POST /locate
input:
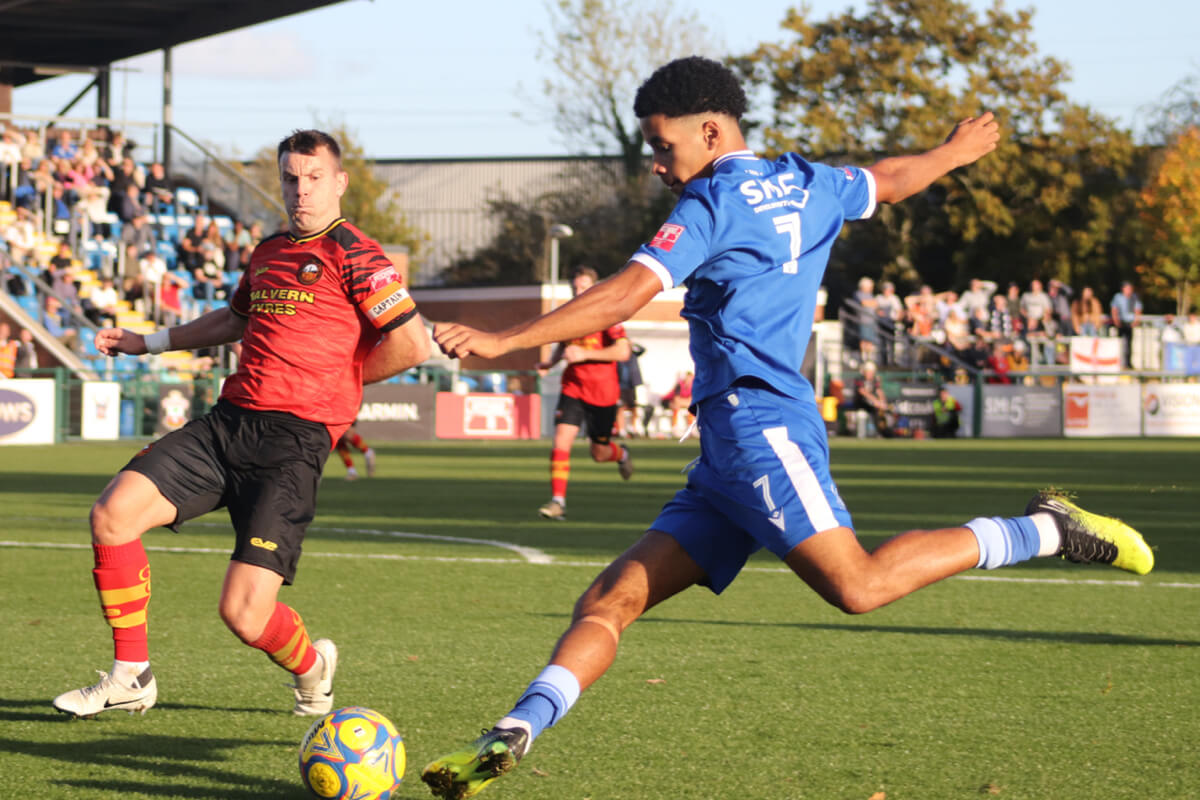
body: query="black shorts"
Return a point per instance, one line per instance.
(599, 419)
(264, 466)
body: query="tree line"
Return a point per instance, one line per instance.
(1069, 194)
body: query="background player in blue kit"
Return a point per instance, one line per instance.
(750, 239)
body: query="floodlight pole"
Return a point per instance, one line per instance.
(557, 231)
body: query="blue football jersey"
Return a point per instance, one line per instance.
(751, 244)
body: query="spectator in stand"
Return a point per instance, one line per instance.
(1191, 328)
(144, 287)
(1001, 322)
(868, 329)
(63, 147)
(21, 237)
(10, 162)
(922, 312)
(159, 190)
(89, 154)
(889, 309)
(31, 149)
(67, 290)
(131, 205)
(997, 362)
(190, 255)
(124, 174)
(1054, 335)
(238, 239)
(1033, 306)
(210, 278)
(44, 184)
(979, 325)
(870, 397)
(97, 192)
(100, 306)
(1087, 315)
(117, 148)
(25, 195)
(8, 352)
(1060, 301)
(170, 306)
(27, 356)
(956, 330)
(1126, 311)
(53, 321)
(978, 296)
(246, 246)
(140, 234)
(133, 285)
(1171, 332)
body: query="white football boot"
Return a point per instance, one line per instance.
(314, 693)
(132, 693)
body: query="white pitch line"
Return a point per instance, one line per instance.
(548, 560)
(531, 555)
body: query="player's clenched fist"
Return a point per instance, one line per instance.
(460, 341)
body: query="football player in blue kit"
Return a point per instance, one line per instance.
(750, 239)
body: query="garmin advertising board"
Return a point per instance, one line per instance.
(27, 411)
(1021, 411)
(397, 412)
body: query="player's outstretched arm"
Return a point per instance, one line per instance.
(613, 300)
(400, 349)
(903, 176)
(219, 326)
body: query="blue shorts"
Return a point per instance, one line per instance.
(762, 481)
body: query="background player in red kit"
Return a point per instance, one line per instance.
(319, 311)
(351, 438)
(591, 393)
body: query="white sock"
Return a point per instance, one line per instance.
(1051, 539)
(132, 668)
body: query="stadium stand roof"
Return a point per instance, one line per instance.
(43, 38)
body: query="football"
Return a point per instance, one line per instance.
(352, 752)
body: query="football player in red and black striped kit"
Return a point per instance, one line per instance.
(320, 311)
(591, 392)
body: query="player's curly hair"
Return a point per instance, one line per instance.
(691, 85)
(307, 142)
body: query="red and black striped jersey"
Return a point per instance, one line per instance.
(315, 307)
(594, 382)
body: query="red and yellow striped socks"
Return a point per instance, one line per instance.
(286, 641)
(122, 578)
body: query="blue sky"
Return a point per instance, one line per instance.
(450, 79)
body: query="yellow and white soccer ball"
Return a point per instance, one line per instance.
(352, 752)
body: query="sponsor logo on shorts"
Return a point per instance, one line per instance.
(309, 273)
(255, 541)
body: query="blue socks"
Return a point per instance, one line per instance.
(1005, 540)
(547, 699)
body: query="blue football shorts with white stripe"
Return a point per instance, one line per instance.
(762, 480)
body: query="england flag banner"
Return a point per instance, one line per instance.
(1095, 354)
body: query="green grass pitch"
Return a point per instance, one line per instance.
(445, 593)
